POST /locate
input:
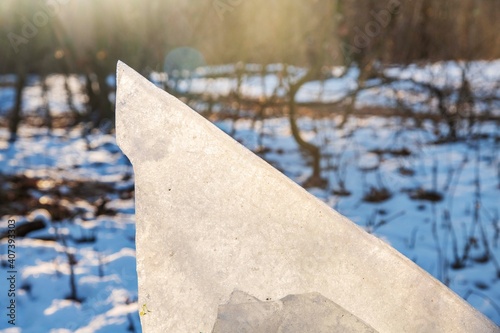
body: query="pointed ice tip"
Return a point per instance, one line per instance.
(120, 65)
(121, 68)
(146, 116)
(126, 86)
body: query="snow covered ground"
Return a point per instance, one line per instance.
(483, 77)
(368, 153)
(102, 245)
(437, 203)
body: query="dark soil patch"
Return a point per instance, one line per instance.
(315, 182)
(406, 171)
(341, 192)
(376, 195)
(427, 195)
(401, 152)
(20, 195)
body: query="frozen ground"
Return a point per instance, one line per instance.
(367, 155)
(100, 243)
(437, 203)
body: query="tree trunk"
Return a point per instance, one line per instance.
(93, 101)
(15, 117)
(313, 150)
(105, 107)
(46, 105)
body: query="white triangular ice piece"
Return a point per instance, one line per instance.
(212, 217)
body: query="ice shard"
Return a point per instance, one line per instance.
(212, 218)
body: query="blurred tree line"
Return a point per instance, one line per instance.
(87, 37)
